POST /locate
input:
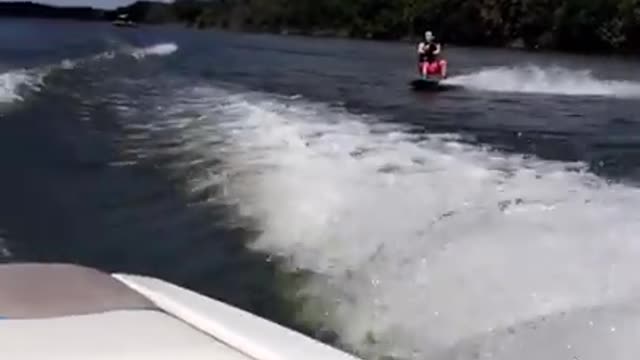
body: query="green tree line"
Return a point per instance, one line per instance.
(577, 25)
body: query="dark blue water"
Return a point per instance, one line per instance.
(302, 180)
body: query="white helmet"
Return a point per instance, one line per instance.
(428, 36)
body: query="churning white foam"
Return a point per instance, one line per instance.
(4, 247)
(162, 49)
(417, 244)
(554, 80)
(12, 83)
(157, 50)
(8, 86)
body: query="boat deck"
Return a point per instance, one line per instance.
(59, 311)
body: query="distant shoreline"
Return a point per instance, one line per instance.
(138, 11)
(240, 17)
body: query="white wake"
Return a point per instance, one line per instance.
(14, 83)
(5, 252)
(419, 245)
(555, 80)
(163, 49)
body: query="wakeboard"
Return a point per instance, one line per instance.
(425, 84)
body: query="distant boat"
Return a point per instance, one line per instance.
(124, 21)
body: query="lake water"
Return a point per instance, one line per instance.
(302, 179)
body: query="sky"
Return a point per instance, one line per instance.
(105, 4)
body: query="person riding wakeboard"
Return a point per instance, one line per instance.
(428, 57)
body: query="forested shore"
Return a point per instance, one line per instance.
(570, 25)
(574, 25)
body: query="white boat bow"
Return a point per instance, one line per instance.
(60, 311)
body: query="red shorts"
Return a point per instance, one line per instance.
(434, 68)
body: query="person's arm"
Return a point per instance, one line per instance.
(421, 48)
(437, 52)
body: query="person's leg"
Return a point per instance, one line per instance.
(425, 68)
(443, 68)
(434, 68)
